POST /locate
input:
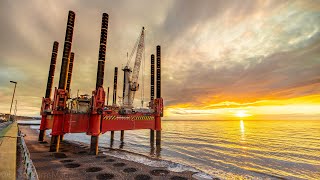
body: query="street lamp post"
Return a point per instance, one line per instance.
(14, 91)
(15, 109)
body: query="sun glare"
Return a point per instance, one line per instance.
(242, 113)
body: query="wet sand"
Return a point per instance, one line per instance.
(74, 162)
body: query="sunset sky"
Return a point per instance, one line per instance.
(221, 59)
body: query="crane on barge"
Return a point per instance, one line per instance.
(130, 82)
(91, 115)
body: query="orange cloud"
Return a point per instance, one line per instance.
(292, 108)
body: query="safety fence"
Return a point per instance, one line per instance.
(29, 168)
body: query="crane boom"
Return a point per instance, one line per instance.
(131, 84)
(134, 86)
(137, 63)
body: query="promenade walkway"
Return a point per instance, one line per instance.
(8, 149)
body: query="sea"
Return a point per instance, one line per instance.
(242, 149)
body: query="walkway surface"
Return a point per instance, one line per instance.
(8, 150)
(73, 162)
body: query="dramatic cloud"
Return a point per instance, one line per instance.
(239, 52)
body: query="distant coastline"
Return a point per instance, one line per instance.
(5, 117)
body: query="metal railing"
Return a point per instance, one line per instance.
(29, 168)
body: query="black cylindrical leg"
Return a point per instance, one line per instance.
(94, 145)
(108, 96)
(158, 150)
(112, 136)
(49, 88)
(66, 51)
(122, 135)
(158, 138)
(158, 77)
(102, 50)
(54, 143)
(71, 60)
(52, 69)
(115, 84)
(61, 137)
(152, 80)
(41, 135)
(151, 136)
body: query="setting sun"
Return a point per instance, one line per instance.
(242, 113)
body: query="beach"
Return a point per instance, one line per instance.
(74, 162)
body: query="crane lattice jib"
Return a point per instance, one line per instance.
(137, 63)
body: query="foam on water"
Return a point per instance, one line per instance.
(171, 166)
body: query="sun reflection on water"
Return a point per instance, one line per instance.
(241, 126)
(242, 132)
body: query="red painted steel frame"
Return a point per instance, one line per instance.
(93, 124)
(80, 122)
(46, 106)
(76, 123)
(48, 122)
(99, 121)
(115, 122)
(58, 112)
